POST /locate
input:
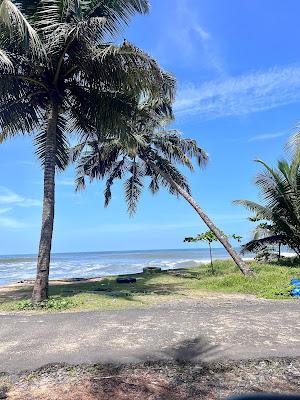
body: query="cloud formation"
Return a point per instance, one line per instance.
(8, 197)
(9, 222)
(66, 182)
(256, 91)
(266, 136)
(185, 39)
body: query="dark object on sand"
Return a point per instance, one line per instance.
(126, 280)
(151, 270)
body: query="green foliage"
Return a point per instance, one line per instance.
(210, 237)
(52, 304)
(279, 215)
(271, 281)
(143, 150)
(60, 75)
(265, 254)
(61, 53)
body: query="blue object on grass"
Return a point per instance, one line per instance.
(296, 292)
(295, 281)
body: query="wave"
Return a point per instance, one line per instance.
(86, 265)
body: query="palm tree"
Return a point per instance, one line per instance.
(59, 75)
(144, 150)
(293, 145)
(279, 216)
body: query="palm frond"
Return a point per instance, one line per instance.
(18, 117)
(261, 212)
(165, 171)
(117, 172)
(15, 22)
(178, 149)
(116, 12)
(48, 15)
(280, 189)
(133, 187)
(258, 244)
(6, 64)
(293, 148)
(128, 64)
(62, 157)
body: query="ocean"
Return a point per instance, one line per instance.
(14, 268)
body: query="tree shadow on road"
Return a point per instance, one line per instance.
(178, 372)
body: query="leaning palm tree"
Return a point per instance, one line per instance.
(144, 150)
(279, 216)
(59, 75)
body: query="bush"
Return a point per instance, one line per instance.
(54, 303)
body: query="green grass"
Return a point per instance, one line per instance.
(271, 281)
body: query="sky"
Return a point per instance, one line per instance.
(238, 74)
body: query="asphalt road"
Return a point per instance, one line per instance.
(207, 329)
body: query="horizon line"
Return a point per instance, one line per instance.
(110, 251)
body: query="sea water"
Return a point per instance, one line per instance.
(14, 268)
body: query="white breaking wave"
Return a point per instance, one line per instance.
(87, 265)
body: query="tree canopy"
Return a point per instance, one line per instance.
(279, 215)
(62, 78)
(60, 51)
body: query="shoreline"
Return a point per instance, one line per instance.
(66, 281)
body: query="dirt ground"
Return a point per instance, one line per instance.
(154, 381)
(16, 291)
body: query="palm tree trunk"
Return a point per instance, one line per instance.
(40, 290)
(222, 239)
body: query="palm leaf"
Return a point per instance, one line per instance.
(6, 64)
(133, 187)
(62, 157)
(116, 12)
(15, 22)
(258, 244)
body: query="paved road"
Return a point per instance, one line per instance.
(195, 329)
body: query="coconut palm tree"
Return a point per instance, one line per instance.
(145, 150)
(293, 145)
(279, 215)
(60, 75)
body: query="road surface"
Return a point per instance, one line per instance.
(201, 329)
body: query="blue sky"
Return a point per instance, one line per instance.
(238, 71)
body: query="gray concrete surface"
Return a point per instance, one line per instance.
(234, 328)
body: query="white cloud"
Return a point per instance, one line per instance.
(4, 210)
(28, 163)
(8, 197)
(9, 222)
(204, 35)
(65, 182)
(185, 38)
(266, 136)
(240, 95)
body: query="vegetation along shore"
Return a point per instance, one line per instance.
(271, 281)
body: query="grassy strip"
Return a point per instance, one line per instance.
(272, 281)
